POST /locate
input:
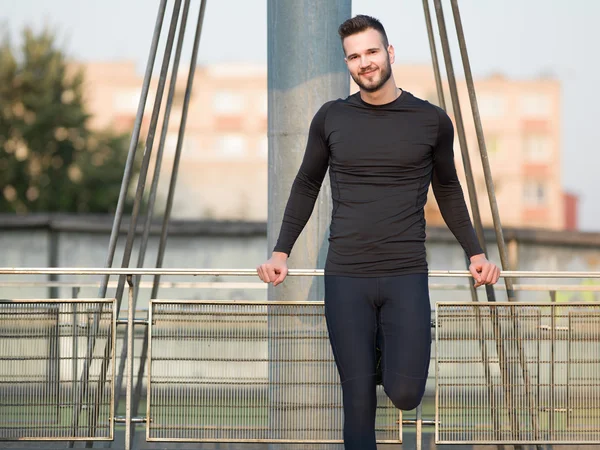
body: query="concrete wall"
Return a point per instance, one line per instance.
(82, 241)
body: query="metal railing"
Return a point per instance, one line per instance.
(247, 371)
(43, 350)
(259, 371)
(561, 344)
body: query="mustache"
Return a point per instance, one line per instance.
(368, 69)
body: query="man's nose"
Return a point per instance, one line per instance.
(364, 62)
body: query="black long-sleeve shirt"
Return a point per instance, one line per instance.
(381, 160)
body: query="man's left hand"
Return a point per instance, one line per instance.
(483, 271)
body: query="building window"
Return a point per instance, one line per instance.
(189, 147)
(171, 143)
(535, 193)
(228, 103)
(264, 104)
(231, 146)
(535, 105)
(263, 147)
(537, 148)
(127, 100)
(491, 106)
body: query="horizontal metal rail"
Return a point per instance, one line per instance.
(143, 285)
(252, 272)
(123, 419)
(135, 321)
(57, 300)
(259, 285)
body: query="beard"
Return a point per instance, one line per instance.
(372, 86)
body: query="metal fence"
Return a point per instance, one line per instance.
(259, 371)
(52, 379)
(239, 371)
(518, 373)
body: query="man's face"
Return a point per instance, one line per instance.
(369, 62)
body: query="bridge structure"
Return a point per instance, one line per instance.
(520, 373)
(261, 372)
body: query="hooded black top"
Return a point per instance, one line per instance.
(381, 160)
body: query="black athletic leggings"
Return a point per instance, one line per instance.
(393, 312)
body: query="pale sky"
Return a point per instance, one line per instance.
(519, 38)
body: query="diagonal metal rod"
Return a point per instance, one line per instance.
(460, 130)
(148, 151)
(163, 137)
(487, 171)
(140, 191)
(114, 234)
(177, 158)
(493, 204)
(473, 292)
(504, 368)
(154, 186)
(144, 352)
(121, 201)
(434, 57)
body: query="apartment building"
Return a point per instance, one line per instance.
(224, 167)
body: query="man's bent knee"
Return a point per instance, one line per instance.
(404, 392)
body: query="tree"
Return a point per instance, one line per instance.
(50, 160)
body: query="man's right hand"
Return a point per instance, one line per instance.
(275, 269)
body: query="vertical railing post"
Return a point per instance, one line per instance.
(568, 393)
(74, 365)
(552, 411)
(419, 432)
(130, 331)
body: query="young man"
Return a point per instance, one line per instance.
(383, 148)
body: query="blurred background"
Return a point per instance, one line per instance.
(71, 74)
(62, 131)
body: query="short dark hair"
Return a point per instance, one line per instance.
(360, 23)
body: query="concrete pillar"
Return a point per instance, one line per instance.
(305, 69)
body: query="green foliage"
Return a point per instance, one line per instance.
(50, 159)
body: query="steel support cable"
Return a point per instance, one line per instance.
(187, 97)
(114, 234)
(487, 172)
(504, 369)
(434, 57)
(177, 158)
(144, 350)
(473, 292)
(121, 202)
(140, 189)
(148, 151)
(153, 189)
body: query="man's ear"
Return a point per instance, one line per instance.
(392, 53)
